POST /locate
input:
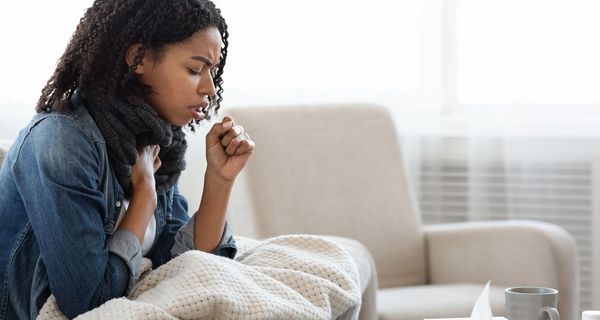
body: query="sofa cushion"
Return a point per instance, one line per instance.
(435, 301)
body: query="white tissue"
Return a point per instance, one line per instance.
(482, 309)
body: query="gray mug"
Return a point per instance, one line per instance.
(531, 303)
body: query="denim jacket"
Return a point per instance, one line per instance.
(59, 202)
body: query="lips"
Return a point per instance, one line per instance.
(197, 113)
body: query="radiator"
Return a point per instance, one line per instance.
(518, 179)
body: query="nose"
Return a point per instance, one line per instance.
(206, 85)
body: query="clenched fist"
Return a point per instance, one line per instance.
(228, 148)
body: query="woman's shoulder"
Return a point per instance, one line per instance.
(59, 134)
(72, 124)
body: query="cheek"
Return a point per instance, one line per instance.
(179, 85)
(172, 86)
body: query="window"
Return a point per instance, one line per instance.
(411, 55)
(280, 52)
(532, 52)
(296, 52)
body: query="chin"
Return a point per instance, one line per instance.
(178, 122)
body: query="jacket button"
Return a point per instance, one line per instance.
(118, 204)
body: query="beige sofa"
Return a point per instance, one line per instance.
(338, 170)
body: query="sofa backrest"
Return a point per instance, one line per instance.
(335, 170)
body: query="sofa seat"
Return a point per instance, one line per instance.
(435, 301)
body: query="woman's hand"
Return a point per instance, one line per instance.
(228, 148)
(143, 199)
(142, 175)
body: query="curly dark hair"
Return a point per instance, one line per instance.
(95, 56)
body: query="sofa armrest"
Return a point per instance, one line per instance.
(509, 253)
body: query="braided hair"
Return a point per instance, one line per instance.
(95, 56)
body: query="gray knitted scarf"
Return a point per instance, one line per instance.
(130, 123)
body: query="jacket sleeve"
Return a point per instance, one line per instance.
(178, 235)
(57, 172)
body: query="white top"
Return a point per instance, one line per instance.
(150, 230)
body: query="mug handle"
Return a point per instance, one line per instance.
(551, 312)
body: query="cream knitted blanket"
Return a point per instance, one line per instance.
(286, 277)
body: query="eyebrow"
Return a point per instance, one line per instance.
(203, 59)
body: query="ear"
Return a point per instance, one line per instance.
(132, 52)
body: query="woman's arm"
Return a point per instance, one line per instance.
(228, 148)
(210, 217)
(178, 235)
(57, 173)
(207, 230)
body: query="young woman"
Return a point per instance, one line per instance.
(89, 187)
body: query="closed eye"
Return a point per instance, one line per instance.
(193, 72)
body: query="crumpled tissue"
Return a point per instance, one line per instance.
(482, 309)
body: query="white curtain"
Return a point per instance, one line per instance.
(518, 133)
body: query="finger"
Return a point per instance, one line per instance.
(218, 130)
(246, 146)
(231, 133)
(235, 143)
(140, 151)
(155, 151)
(143, 153)
(157, 164)
(227, 118)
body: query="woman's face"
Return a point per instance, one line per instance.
(181, 78)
